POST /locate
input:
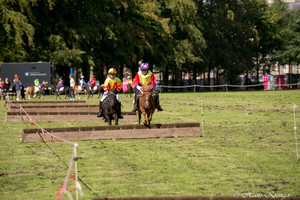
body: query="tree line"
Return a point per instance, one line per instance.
(175, 37)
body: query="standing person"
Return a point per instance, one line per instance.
(37, 83)
(145, 77)
(72, 84)
(15, 78)
(1, 87)
(60, 84)
(6, 86)
(93, 82)
(111, 82)
(18, 86)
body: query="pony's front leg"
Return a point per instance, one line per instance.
(108, 119)
(139, 116)
(116, 119)
(149, 117)
(145, 118)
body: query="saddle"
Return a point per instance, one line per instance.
(61, 89)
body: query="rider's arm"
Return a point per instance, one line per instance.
(153, 81)
(105, 85)
(119, 84)
(136, 80)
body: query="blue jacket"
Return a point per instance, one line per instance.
(18, 85)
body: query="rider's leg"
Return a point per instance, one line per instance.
(156, 100)
(135, 101)
(119, 109)
(100, 113)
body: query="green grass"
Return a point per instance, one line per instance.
(241, 151)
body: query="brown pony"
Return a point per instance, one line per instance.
(146, 104)
(32, 91)
(129, 89)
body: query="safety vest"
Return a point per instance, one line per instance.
(36, 83)
(145, 79)
(110, 83)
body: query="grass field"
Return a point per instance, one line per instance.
(241, 152)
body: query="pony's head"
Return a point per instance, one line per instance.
(146, 96)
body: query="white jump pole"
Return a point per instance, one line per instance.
(202, 120)
(295, 128)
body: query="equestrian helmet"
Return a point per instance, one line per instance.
(93, 76)
(144, 66)
(112, 71)
(82, 76)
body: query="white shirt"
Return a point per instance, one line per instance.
(72, 82)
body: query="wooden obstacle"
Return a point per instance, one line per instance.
(46, 103)
(76, 115)
(114, 132)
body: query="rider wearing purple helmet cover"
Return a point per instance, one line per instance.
(145, 77)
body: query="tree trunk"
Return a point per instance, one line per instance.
(121, 72)
(166, 76)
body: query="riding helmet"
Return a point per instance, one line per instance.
(144, 66)
(112, 71)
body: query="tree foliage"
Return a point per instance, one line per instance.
(174, 36)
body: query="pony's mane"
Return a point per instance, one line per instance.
(146, 88)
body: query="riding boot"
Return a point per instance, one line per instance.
(100, 114)
(119, 111)
(135, 106)
(157, 105)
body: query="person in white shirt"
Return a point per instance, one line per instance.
(72, 84)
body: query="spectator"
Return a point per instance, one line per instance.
(72, 84)
(6, 86)
(18, 85)
(15, 78)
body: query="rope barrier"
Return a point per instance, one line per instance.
(208, 86)
(63, 189)
(241, 108)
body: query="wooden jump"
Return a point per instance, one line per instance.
(114, 132)
(64, 116)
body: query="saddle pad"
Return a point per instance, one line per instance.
(61, 89)
(79, 87)
(36, 89)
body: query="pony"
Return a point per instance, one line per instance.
(111, 107)
(129, 90)
(33, 91)
(97, 89)
(62, 90)
(79, 89)
(146, 104)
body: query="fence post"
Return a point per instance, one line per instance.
(226, 88)
(202, 120)
(194, 88)
(295, 128)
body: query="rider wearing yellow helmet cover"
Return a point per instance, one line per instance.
(111, 82)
